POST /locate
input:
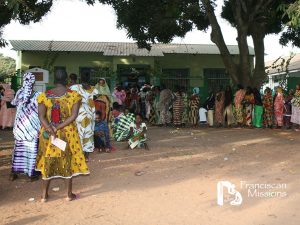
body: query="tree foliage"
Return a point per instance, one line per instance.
(24, 11)
(150, 21)
(7, 66)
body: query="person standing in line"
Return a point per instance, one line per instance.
(219, 107)
(194, 107)
(8, 111)
(238, 106)
(58, 109)
(210, 106)
(278, 107)
(85, 120)
(178, 107)
(163, 106)
(258, 109)
(287, 109)
(268, 108)
(185, 114)
(248, 104)
(228, 114)
(120, 95)
(26, 130)
(104, 99)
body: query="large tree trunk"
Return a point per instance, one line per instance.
(217, 38)
(259, 74)
(239, 72)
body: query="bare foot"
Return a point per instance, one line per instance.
(71, 197)
(44, 198)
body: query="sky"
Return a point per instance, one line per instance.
(74, 20)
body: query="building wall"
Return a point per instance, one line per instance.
(74, 60)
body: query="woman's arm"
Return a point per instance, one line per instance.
(42, 117)
(74, 114)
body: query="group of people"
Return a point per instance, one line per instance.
(56, 130)
(250, 108)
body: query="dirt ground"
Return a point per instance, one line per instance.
(173, 183)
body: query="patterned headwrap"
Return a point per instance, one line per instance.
(26, 90)
(196, 90)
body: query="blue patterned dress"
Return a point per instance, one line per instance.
(26, 133)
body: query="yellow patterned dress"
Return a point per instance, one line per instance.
(86, 117)
(51, 161)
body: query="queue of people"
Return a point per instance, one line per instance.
(56, 131)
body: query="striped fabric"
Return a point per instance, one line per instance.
(24, 157)
(123, 127)
(26, 130)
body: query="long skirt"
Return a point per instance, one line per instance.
(24, 157)
(210, 117)
(228, 115)
(177, 115)
(239, 114)
(258, 112)
(249, 109)
(165, 117)
(194, 115)
(295, 115)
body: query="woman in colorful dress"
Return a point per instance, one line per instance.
(135, 100)
(58, 109)
(104, 99)
(278, 107)
(287, 109)
(238, 106)
(295, 118)
(120, 95)
(258, 109)
(137, 133)
(163, 107)
(86, 116)
(228, 114)
(185, 114)
(178, 107)
(26, 130)
(248, 104)
(209, 105)
(268, 108)
(219, 107)
(155, 116)
(7, 111)
(194, 106)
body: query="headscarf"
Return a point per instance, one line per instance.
(196, 91)
(25, 92)
(28, 82)
(104, 90)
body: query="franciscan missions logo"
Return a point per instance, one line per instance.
(237, 197)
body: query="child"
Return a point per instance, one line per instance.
(101, 134)
(203, 115)
(137, 133)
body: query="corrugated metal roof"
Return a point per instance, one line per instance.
(120, 48)
(293, 65)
